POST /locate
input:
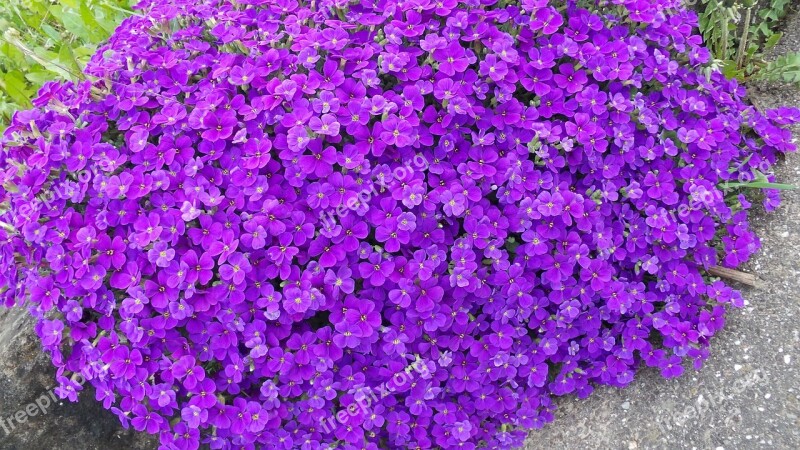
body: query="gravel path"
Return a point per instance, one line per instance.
(748, 394)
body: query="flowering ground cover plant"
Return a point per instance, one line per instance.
(217, 234)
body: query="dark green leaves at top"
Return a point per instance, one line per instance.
(42, 40)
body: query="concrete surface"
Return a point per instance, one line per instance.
(32, 417)
(747, 396)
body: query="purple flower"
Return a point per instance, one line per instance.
(363, 318)
(296, 300)
(219, 125)
(235, 269)
(396, 132)
(453, 204)
(327, 125)
(465, 209)
(50, 332)
(160, 254)
(340, 281)
(376, 269)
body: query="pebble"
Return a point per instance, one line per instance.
(737, 367)
(787, 359)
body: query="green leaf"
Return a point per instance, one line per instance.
(50, 62)
(39, 77)
(785, 68)
(74, 4)
(72, 22)
(730, 70)
(741, 164)
(10, 55)
(759, 185)
(772, 41)
(68, 62)
(51, 32)
(93, 27)
(13, 83)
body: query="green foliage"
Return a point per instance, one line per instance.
(740, 32)
(785, 68)
(717, 21)
(41, 40)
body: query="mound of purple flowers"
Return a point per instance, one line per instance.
(379, 224)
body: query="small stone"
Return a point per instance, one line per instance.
(737, 367)
(787, 359)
